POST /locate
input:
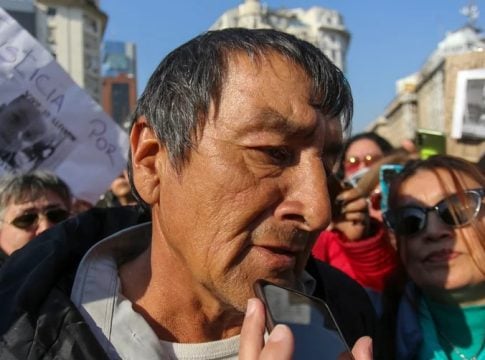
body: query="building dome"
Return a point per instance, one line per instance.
(465, 39)
(322, 27)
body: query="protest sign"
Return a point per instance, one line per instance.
(48, 122)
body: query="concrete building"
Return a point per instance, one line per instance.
(26, 14)
(426, 99)
(75, 30)
(322, 27)
(119, 80)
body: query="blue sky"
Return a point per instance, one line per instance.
(390, 38)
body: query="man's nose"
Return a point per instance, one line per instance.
(43, 224)
(307, 201)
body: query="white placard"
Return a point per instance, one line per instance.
(48, 122)
(469, 109)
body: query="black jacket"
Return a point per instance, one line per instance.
(39, 321)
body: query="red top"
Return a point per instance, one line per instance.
(369, 261)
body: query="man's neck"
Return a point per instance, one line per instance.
(176, 308)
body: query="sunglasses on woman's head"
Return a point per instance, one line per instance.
(455, 210)
(29, 220)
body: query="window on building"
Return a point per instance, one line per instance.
(51, 11)
(120, 100)
(51, 34)
(91, 24)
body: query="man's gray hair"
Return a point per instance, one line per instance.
(19, 188)
(177, 97)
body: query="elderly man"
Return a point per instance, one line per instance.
(30, 204)
(230, 146)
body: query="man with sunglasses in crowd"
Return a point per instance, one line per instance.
(30, 204)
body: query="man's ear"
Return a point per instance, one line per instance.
(146, 153)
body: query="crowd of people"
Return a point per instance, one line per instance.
(240, 169)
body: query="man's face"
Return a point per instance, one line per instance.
(12, 237)
(253, 196)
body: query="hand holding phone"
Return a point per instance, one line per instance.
(316, 334)
(280, 343)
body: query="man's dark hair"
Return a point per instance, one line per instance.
(177, 97)
(30, 186)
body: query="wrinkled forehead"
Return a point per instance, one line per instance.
(279, 87)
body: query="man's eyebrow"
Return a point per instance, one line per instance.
(272, 120)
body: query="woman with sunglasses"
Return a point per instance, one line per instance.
(30, 204)
(436, 212)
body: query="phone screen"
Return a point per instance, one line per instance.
(316, 333)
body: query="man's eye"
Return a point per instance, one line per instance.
(278, 155)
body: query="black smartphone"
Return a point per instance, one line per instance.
(316, 333)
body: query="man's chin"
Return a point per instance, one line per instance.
(289, 280)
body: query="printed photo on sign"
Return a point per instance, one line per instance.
(28, 139)
(48, 122)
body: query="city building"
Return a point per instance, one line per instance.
(427, 98)
(26, 14)
(322, 27)
(75, 29)
(119, 80)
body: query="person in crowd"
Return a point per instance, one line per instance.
(119, 193)
(362, 150)
(230, 143)
(436, 213)
(357, 241)
(30, 203)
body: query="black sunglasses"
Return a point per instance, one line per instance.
(455, 210)
(31, 219)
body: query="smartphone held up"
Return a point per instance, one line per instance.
(316, 333)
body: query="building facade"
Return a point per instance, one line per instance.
(322, 27)
(26, 14)
(119, 80)
(426, 99)
(75, 30)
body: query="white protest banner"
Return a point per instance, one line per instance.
(48, 122)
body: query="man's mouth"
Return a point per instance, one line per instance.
(277, 256)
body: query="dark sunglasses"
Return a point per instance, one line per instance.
(455, 210)
(29, 220)
(352, 163)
